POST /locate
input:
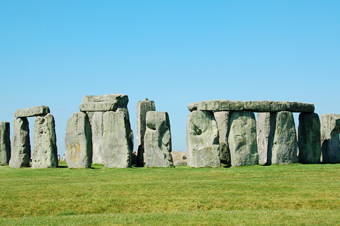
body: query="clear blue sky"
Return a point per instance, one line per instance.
(173, 52)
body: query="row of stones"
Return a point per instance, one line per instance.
(101, 133)
(235, 138)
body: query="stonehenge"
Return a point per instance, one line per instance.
(269, 139)
(44, 154)
(219, 133)
(5, 143)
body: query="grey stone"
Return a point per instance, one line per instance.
(78, 141)
(265, 127)
(142, 108)
(33, 111)
(5, 143)
(45, 154)
(254, 106)
(309, 138)
(97, 128)
(192, 106)
(203, 140)
(110, 102)
(157, 140)
(330, 142)
(21, 148)
(242, 139)
(222, 119)
(285, 146)
(179, 158)
(118, 139)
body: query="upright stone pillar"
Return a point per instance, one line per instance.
(21, 148)
(330, 143)
(309, 138)
(265, 136)
(285, 146)
(157, 140)
(45, 153)
(203, 140)
(117, 139)
(5, 143)
(97, 129)
(78, 141)
(242, 139)
(222, 119)
(143, 107)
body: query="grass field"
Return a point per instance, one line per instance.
(287, 194)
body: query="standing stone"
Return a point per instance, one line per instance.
(21, 148)
(179, 158)
(117, 139)
(330, 132)
(265, 127)
(203, 140)
(157, 140)
(222, 119)
(5, 143)
(285, 146)
(142, 108)
(45, 154)
(309, 138)
(78, 141)
(97, 129)
(242, 139)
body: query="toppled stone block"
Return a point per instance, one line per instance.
(118, 139)
(110, 102)
(179, 158)
(203, 140)
(330, 143)
(309, 138)
(253, 106)
(143, 107)
(157, 140)
(21, 148)
(222, 119)
(5, 143)
(45, 153)
(33, 111)
(265, 136)
(78, 141)
(242, 139)
(285, 146)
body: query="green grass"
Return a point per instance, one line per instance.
(284, 195)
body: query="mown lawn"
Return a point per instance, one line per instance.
(287, 194)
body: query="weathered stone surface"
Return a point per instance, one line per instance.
(108, 102)
(242, 139)
(309, 138)
(21, 148)
(179, 158)
(203, 140)
(157, 140)
(142, 108)
(45, 154)
(254, 106)
(78, 141)
(285, 146)
(5, 143)
(97, 129)
(192, 106)
(265, 127)
(222, 119)
(33, 111)
(330, 143)
(118, 139)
